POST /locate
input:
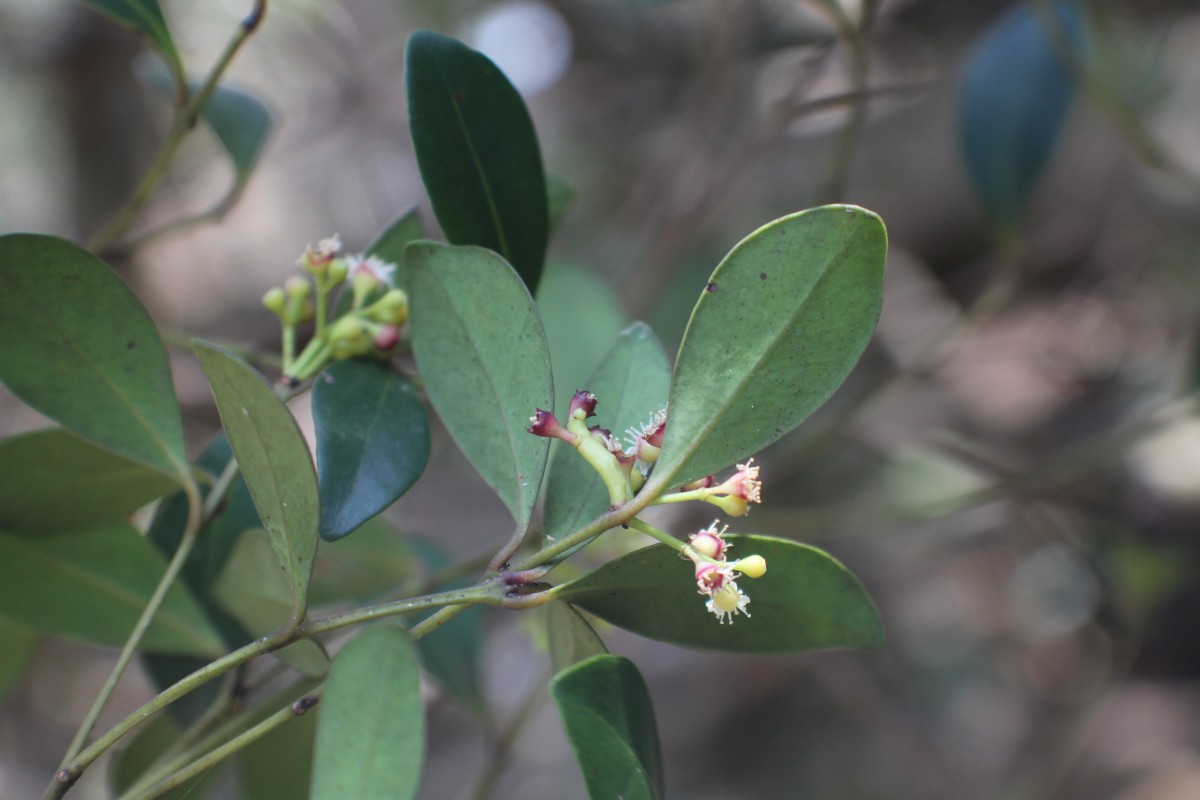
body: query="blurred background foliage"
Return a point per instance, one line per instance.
(1013, 470)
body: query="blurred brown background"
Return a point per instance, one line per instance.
(1013, 471)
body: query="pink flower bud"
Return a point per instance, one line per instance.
(583, 402)
(543, 423)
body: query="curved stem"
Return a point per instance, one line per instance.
(184, 122)
(656, 534)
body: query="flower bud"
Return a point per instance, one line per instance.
(583, 405)
(297, 288)
(751, 566)
(386, 338)
(543, 423)
(275, 300)
(709, 542)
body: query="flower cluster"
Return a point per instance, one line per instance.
(715, 576)
(370, 322)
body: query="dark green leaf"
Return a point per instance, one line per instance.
(782, 321)
(572, 638)
(79, 348)
(478, 152)
(17, 645)
(607, 714)
(372, 442)
(371, 729)
(806, 601)
(274, 460)
(254, 591)
(92, 585)
(582, 317)
(630, 385)
(145, 16)
(1014, 100)
(481, 351)
(55, 481)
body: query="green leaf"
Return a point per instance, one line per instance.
(279, 765)
(146, 17)
(357, 570)
(17, 646)
(372, 442)
(141, 753)
(559, 195)
(782, 321)
(452, 653)
(630, 385)
(241, 123)
(79, 348)
(255, 592)
(478, 152)
(582, 317)
(1015, 96)
(274, 461)
(371, 730)
(571, 637)
(609, 719)
(481, 351)
(92, 585)
(391, 242)
(55, 481)
(806, 601)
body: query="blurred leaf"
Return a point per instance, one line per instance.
(781, 323)
(255, 592)
(483, 357)
(559, 195)
(241, 123)
(630, 385)
(79, 348)
(371, 730)
(921, 483)
(372, 442)
(144, 748)
(806, 601)
(609, 719)
(17, 646)
(1014, 100)
(360, 569)
(54, 481)
(279, 765)
(582, 317)
(391, 242)
(452, 653)
(146, 17)
(274, 460)
(572, 638)
(478, 152)
(92, 585)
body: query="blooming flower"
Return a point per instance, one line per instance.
(738, 491)
(727, 602)
(371, 270)
(715, 576)
(317, 259)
